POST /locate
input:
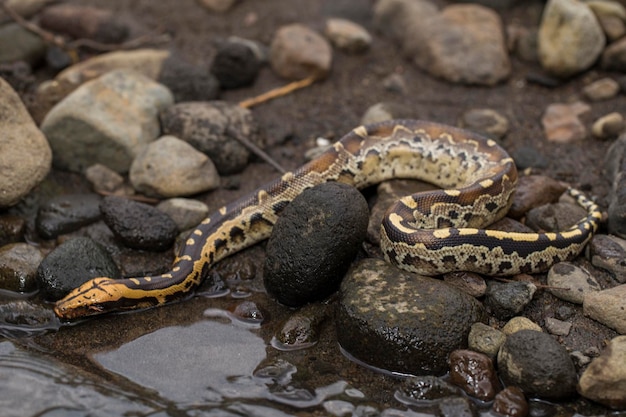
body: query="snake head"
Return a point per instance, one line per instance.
(95, 296)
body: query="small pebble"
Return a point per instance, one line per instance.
(18, 267)
(604, 380)
(571, 282)
(218, 6)
(485, 339)
(561, 123)
(297, 52)
(488, 122)
(564, 312)
(538, 364)
(11, 229)
(510, 402)
(505, 300)
(457, 406)
(520, 323)
(557, 327)
(138, 225)
(395, 83)
(474, 373)
(534, 191)
(608, 126)
(104, 179)
(602, 89)
(347, 36)
(607, 307)
(236, 64)
(580, 360)
(185, 212)
(529, 157)
(248, 311)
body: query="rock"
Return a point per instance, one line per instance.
(301, 330)
(520, 323)
(395, 83)
(614, 56)
(604, 380)
(185, 212)
(505, 300)
(468, 282)
(420, 389)
(529, 157)
(506, 224)
(611, 16)
(25, 156)
(104, 179)
(607, 307)
(608, 126)
(474, 373)
(536, 363)
(395, 18)
(609, 253)
(570, 282)
(71, 264)
(155, 173)
(20, 44)
(557, 327)
(510, 402)
(297, 52)
(122, 119)
(187, 82)
(84, 22)
(523, 42)
(615, 169)
(11, 229)
(570, 38)
(380, 112)
(487, 122)
(347, 36)
(561, 123)
(554, 217)
(26, 8)
(313, 243)
(248, 312)
(138, 225)
(485, 339)
(580, 360)
(219, 6)
(402, 322)
(464, 43)
(18, 267)
(22, 314)
(457, 406)
(66, 213)
(236, 63)
(534, 191)
(602, 89)
(212, 128)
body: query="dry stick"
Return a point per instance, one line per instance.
(277, 92)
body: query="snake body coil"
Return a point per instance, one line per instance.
(429, 233)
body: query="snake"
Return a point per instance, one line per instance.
(429, 233)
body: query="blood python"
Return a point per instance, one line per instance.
(428, 233)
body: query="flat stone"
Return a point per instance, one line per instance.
(155, 173)
(602, 89)
(185, 212)
(570, 282)
(123, 105)
(298, 52)
(557, 327)
(561, 123)
(570, 38)
(380, 112)
(25, 155)
(488, 122)
(615, 170)
(607, 307)
(347, 36)
(604, 380)
(609, 253)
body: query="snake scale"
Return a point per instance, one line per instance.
(429, 233)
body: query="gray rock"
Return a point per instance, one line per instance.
(485, 339)
(608, 126)
(554, 217)
(614, 56)
(571, 283)
(186, 81)
(607, 307)
(24, 314)
(468, 282)
(122, 118)
(402, 322)
(71, 264)
(313, 243)
(18, 267)
(138, 225)
(557, 327)
(570, 38)
(84, 22)
(104, 179)
(155, 173)
(536, 363)
(347, 36)
(394, 18)
(534, 191)
(19, 44)
(602, 89)
(66, 213)
(25, 155)
(615, 169)
(211, 128)
(297, 52)
(236, 63)
(457, 406)
(185, 212)
(609, 253)
(529, 157)
(506, 299)
(604, 380)
(487, 122)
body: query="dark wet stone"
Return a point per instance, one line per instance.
(457, 407)
(235, 64)
(138, 225)
(66, 213)
(11, 229)
(609, 253)
(248, 311)
(485, 339)
(18, 267)
(400, 321)
(188, 82)
(417, 389)
(534, 191)
(510, 402)
(301, 330)
(211, 128)
(71, 264)
(538, 364)
(529, 157)
(84, 22)
(313, 243)
(554, 217)
(474, 373)
(57, 58)
(25, 314)
(506, 299)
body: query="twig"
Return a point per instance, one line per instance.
(134, 197)
(277, 92)
(255, 149)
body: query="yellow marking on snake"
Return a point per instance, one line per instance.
(465, 164)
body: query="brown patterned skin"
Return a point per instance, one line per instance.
(429, 233)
